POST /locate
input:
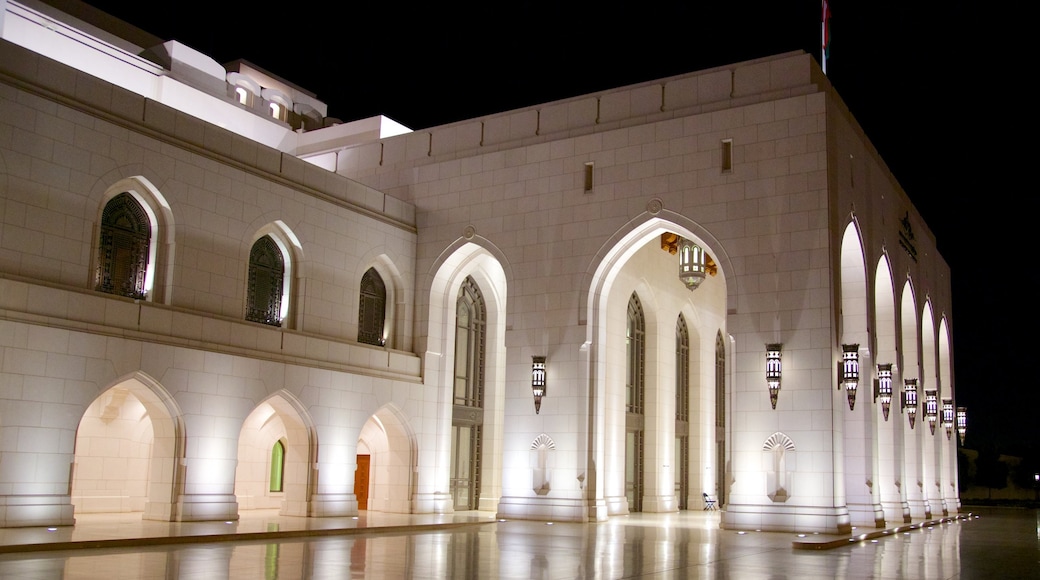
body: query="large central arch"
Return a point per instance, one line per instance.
(633, 262)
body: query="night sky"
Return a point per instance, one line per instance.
(939, 88)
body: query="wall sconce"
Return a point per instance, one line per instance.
(910, 399)
(962, 423)
(848, 372)
(691, 264)
(773, 371)
(538, 381)
(947, 417)
(884, 388)
(931, 409)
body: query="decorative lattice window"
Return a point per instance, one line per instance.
(265, 284)
(682, 370)
(372, 309)
(470, 319)
(123, 248)
(636, 336)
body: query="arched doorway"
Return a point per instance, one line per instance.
(276, 449)
(128, 444)
(388, 444)
(670, 370)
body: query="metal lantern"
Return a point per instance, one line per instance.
(773, 371)
(850, 372)
(962, 423)
(538, 381)
(910, 399)
(947, 417)
(931, 409)
(884, 389)
(691, 264)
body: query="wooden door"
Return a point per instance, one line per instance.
(361, 481)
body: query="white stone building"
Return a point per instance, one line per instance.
(214, 299)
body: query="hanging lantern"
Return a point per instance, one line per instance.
(538, 381)
(962, 423)
(931, 409)
(773, 371)
(947, 417)
(849, 374)
(884, 388)
(910, 399)
(691, 264)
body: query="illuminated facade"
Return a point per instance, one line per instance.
(213, 299)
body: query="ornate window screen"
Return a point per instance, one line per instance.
(123, 248)
(372, 309)
(266, 276)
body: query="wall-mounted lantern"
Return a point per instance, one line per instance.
(538, 381)
(691, 264)
(947, 417)
(910, 399)
(883, 392)
(848, 372)
(773, 371)
(931, 409)
(962, 423)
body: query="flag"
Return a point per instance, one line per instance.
(825, 22)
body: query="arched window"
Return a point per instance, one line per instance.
(265, 284)
(277, 466)
(470, 319)
(720, 419)
(467, 414)
(682, 412)
(123, 248)
(372, 309)
(636, 356)
(635, 387)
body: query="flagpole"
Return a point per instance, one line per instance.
(824, 35)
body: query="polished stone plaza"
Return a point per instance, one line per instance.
(988, 543)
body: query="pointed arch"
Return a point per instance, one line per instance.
(278, 419)
(372, 309)
(947, 444)
(471, 266)
(637, 263)
(395, 333)
(682, 412)
(910, 341)
(134, 241)
(635, 398)
(931, 391)
(390, 442)
(909, 337)
(271, 266)
(617, 250)
(887, 416)
(884, 312)
(853, 288)
(129, 451)
(720, 419)
(929, 351)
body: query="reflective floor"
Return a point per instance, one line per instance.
(1002, 543)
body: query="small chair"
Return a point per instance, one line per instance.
(709, 503)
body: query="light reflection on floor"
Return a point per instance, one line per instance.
(1001, 543)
